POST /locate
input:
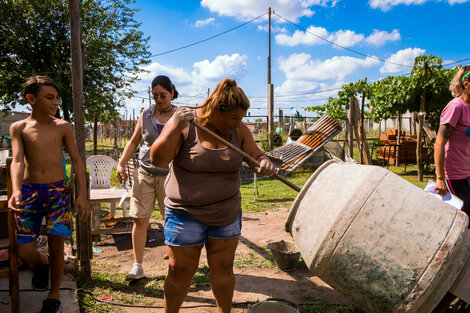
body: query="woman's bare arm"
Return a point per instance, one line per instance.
(443, 135)
(168, 144)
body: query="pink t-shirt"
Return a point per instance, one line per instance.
(457, 160)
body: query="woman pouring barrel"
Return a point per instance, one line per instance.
(203, 201)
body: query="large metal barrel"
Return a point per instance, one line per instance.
(382, 242)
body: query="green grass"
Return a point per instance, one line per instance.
(253, 261)
(201, 277)
(273, 194)
(106, 280)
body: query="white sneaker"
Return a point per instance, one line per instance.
(136, 272)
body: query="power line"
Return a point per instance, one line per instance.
(456, 62)
(209, 38)
(298, 94)
(343, 47)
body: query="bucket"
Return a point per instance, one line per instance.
(285, 254)
(273, 305)
(382, 242)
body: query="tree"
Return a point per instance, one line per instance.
(34, 39)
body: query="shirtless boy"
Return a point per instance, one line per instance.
(39, 188)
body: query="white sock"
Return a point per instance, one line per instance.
(138, 265)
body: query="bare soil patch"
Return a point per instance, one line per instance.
(256, 277)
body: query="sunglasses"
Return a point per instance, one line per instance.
(161, 96)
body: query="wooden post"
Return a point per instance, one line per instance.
(84, 230)
(270, 89)
(397, 152)
(12, 250)
(350, 132)
(380, 128)
(361, 139)
(95, 134)
(346, 137)
(362, 136)
(413, 123)
(422, 103)
(410, 120)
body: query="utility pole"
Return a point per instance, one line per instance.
(84, 227)
(150, 97)
(208, 92)
(421, 116)
(270, 92)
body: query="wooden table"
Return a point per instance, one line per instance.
(111, 196)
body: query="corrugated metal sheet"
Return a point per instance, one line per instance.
(290, 156)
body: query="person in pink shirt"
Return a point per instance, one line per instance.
(452, 151)
(452, 147)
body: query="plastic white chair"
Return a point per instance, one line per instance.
(100, 167)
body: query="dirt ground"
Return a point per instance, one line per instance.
(255, 281)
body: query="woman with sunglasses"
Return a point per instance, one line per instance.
(148, 179)
(203, 201)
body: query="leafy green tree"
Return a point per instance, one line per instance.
(390, 96)
(34, 39)
(338, 107)
(435, 84)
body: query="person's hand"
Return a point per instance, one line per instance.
(14, 202)
(182, 117)
(266, 168)
(83, 206)
(121, 173)
(441, 188)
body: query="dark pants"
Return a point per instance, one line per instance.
(461, 188)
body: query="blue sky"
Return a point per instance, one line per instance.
(306, 70)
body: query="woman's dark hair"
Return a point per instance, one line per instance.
(165, 82)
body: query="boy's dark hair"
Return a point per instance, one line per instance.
(165, 82)
(34, 84)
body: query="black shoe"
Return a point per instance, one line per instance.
(40, 281)
(50, 306)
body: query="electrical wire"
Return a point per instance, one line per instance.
(340, 46)
(234, 304)
(209, 38)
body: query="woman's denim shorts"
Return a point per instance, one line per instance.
(182, 230)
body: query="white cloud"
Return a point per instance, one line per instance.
(319, 91)
(404, 57)
(204, 74)
(223, 66)
(246, 9)
(345, 38)
(305, 38)
(274, 29)
(378, 38)
(304, 74)
(203, 23)
(386, 5)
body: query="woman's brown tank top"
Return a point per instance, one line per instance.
(205, 182)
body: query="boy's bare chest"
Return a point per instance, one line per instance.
(42, 137)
